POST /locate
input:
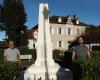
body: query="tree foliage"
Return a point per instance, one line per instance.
(14, 18)
(92, 34)
(2, 27)
(1, 10)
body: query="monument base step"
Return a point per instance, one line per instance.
(52, 73)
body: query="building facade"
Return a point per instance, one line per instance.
(63, 31)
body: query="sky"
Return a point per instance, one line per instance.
(88, 11)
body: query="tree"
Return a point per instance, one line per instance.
(1, 19)
(92, 34)
(14, 17)
(1, 10)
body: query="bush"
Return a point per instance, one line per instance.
(1, 54)
(58, 54)
(88, 69)
(96, 48)
(28, 51)
(8, 71)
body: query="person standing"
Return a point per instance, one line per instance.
(80, 51)
(12, 54)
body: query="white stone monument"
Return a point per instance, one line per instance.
(45, 68)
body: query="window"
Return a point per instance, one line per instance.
(51, 30)
(35, 34)
(82, 31)
(59, 44)
(59, 30)
(78, 32)
(33, 45)
(77, 21)
(59, 19)
(69, 42)
(69, 31)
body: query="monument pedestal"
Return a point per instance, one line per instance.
(54, 73)
(45, 68)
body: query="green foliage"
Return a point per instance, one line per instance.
(28, 51)
(14, 13)
(90, 68)
(57, 54)
(1, 10)
(8, 71)
(24, 40)
(92, 34)
(2, 27)
(14, 18)
(1, 54)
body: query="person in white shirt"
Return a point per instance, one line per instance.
(12, 53)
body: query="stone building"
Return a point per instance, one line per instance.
(63, 29)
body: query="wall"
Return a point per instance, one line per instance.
(64, 37)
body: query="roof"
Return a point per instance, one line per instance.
(83, 24)
(64, 19)
(54, 19)
(35, 27)
(30, 33)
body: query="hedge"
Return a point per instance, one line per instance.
(8, 71)
(56, 53)
(88, 69)
(1, 54)
(28, 51)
